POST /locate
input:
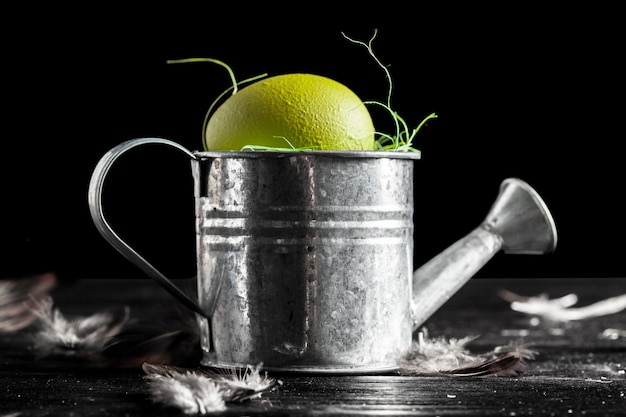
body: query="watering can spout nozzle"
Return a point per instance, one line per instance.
(519, 222)
(522, 219)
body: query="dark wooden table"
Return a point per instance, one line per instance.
(578, 369)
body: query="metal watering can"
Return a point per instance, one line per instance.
(305, 259)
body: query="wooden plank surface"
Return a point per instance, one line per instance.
(578, 369)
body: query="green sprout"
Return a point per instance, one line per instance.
(402, 140)
(276, 148)
(232, 89)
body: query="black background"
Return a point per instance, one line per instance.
(524, 92)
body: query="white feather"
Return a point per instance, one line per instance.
(81, 337)
(431, 355)
(16, 313)
(561, 309)
(194, 390)
(441, 356)
(190, 392)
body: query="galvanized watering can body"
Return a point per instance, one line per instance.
(305, 259)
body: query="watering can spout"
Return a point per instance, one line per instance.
(518, 222)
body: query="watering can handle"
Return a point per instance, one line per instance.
(95, 207)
